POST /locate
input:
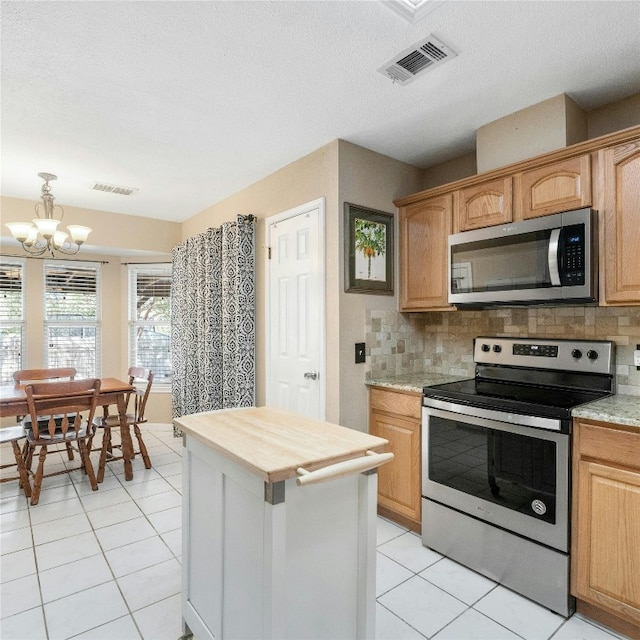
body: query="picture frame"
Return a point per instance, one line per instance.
(368, 253)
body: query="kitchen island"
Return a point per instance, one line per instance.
(279, 526)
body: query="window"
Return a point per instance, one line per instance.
(72, 316)
(150, 319)
(11, 318)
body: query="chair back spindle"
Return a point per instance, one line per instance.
(55, 407)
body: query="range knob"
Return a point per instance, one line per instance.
(592, 355)
(497, 348)
(577, 354)
(485, 348)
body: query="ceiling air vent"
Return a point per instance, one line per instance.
(112, 188)
(416, 60)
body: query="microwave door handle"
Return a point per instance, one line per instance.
(554, 248)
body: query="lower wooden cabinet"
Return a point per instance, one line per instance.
(606, 524)
(396, 416)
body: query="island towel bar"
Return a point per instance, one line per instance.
(356, 465)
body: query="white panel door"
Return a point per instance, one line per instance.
(296, 324)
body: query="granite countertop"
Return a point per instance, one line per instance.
(413, 382)
(618, 409)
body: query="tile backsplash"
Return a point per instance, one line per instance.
(441, 342)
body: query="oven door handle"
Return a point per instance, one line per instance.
(489, 419)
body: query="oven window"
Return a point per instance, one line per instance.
(515, 471)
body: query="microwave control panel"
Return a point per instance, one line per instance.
(572, 271)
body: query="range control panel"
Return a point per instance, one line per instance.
(593, 356)
(544, 350)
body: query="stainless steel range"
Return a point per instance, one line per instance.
(496, 455)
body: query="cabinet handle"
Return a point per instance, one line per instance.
(370, 460)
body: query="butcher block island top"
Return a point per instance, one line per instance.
(274, 444)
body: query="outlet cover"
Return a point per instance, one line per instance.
(360, 357)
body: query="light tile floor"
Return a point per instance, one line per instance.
(106, 565)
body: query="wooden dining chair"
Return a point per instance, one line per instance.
(56, 410)
(14, 435)
(141, 379)
(40, 375)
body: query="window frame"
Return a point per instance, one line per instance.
(162, 269)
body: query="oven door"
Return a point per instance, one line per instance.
(513, 476)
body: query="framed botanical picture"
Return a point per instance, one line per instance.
(368, 253)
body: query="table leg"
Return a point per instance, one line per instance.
(125, 437)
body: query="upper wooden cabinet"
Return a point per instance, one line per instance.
(423, 230)
(557, 187)
(484, 205)
(620, 202)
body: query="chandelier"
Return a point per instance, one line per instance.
(42, 235)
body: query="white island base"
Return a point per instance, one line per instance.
(275, 560)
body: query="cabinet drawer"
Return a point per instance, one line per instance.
(609, 443)
(401, 403)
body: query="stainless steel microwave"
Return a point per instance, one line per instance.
(546, 260)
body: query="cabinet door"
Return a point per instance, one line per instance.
(399, 481)
(608, 558)
(558, 187)
(424, 228)
(484, 205)
(621, 210)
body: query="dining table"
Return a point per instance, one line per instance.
(13, 402)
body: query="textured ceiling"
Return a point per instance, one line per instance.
(190, 102)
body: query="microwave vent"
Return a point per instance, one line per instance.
(417, 60)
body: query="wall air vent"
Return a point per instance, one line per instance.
(416, 60)
(112, 188)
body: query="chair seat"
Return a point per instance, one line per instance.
(58, 436)
(114, 421)
(44, 420)
(7, 434)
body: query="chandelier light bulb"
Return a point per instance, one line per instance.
(79, 234)
(46, 226)
(20, 230)
(59, 238)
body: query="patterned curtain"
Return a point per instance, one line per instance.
(213, 319)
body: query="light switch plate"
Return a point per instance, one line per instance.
(636, 357)
(360, 355)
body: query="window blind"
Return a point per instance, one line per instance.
(72, 316)
(11, 318)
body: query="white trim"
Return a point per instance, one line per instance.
(285, 215)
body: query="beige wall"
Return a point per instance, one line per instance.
(367, 179)
(549, 125)
(614, 117)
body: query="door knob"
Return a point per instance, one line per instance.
(311, 375)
